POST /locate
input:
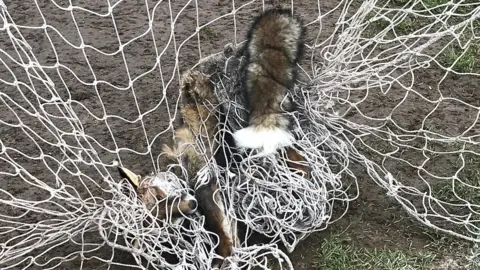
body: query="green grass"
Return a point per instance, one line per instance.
(446, 244)
(467, 59)
(456, 193)
(410, 23)
(407, 25)
(336, 254)
(453, 191)
(438, 6)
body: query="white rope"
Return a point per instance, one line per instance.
(84, 85)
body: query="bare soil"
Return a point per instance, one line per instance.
(374, 220)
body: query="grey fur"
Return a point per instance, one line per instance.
(274, 46)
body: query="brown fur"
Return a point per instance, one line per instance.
(156, 199)
(214, 218)
(201, 123)
(297, 162)
(185, 148)
(274, 46)
(198, 108)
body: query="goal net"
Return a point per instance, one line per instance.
(387, 94)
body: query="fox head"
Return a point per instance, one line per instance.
(163, 193)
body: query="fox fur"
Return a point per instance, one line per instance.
(160, 195)
(274, 46)
(296, 162)
(155, 191)
(200, 111)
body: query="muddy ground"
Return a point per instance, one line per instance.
(374, 220)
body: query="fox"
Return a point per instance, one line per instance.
(274, 45)
(201, 116)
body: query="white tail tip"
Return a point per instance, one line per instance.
(268, 139)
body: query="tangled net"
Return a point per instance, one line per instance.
(273, 200)
(84, 85)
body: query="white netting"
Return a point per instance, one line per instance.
(266, 195)
(85, 83)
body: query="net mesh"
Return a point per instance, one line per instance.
(87, 83)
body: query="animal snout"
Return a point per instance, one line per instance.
(193, 204)
(191, 201)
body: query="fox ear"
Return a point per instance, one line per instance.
(133, 178)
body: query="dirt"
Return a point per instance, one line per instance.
(373, 220)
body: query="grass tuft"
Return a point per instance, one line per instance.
(459, 60)
(459, 191)
(336, 254)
